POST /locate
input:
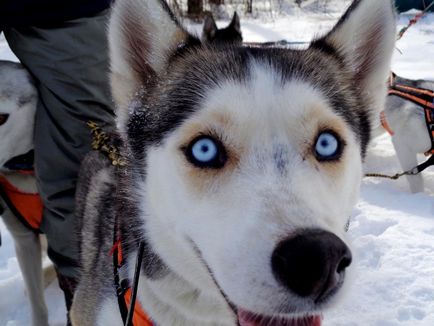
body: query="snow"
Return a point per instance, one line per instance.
(392, 230)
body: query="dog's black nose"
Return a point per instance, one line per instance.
(312, 263)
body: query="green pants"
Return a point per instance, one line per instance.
(70, 65)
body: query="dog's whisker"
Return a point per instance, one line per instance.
(199, 255)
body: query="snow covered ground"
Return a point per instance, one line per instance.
(392, 231)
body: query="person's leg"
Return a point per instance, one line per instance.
(68, 285)
(70, 65)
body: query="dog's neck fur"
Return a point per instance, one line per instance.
(166, 296)
(187, 303)
(173, 300)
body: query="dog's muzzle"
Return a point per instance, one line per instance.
(310, 264)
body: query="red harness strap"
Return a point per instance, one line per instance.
(140, 318)
(27, 207)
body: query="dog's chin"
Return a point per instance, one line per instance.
(246, 318)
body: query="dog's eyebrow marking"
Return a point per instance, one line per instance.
(280, 157)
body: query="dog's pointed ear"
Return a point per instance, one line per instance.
(143, 36)
(235, 23)
(209, 28)
(364, 38)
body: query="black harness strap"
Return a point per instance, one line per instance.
(139, 260)
(429, 162)
(120, 287)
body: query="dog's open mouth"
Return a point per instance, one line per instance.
(246, 318)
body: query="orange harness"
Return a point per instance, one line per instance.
(27, 207)
(419, 96)
(125, 293)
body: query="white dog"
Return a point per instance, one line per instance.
(405, 120)
(21, 207)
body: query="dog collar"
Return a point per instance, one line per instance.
(131, 311)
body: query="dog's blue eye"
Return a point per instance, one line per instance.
(206, 152)
(327, 146)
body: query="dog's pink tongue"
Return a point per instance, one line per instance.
(246, 318)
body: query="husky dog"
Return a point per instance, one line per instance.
(243, 166)
(229, 34)
(18, 98)
(410, 135)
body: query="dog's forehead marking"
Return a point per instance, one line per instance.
(265, 125)
(270, 107)
(238, 76)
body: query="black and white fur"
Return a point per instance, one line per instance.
(18, 98)
(411, 137)
(211, 235)
(230, 34)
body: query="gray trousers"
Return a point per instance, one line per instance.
(70, 65)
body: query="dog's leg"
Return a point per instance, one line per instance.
(407, 157)
(28, 250)
(48, 272)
